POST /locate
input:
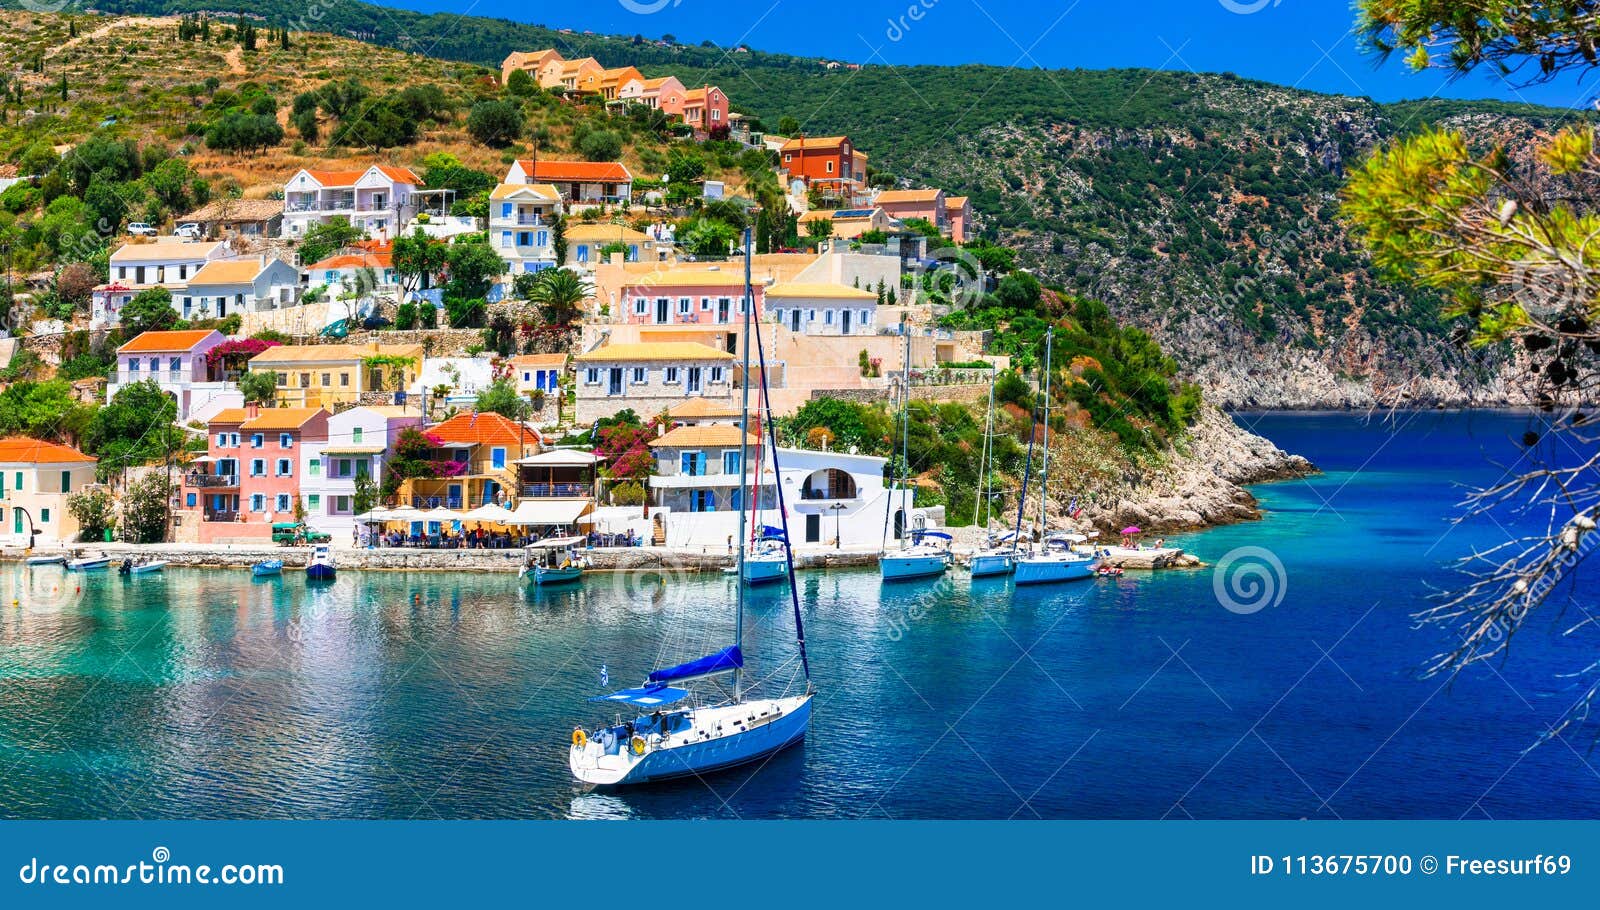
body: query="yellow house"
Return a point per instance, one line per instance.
(36, 477)
(327, 375)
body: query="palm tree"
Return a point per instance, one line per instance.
(558, 292)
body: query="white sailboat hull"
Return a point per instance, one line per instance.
(904, 565)
(990, 564)
(1038, 570)
(762, 569)
(717, 738)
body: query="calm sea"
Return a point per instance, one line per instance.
(210, 694)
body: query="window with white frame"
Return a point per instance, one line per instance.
(827, 317)
(641, 306)
(283, 502)
(705, 304)
(685, 305)
(716, 374)
(257, 440)
(591, 376)
(670, 375)
(258, 502)
(258, 467)
(286, 440)
(641, 375)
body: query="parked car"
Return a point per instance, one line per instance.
(297, 534)
(142, 229)
(189, 231)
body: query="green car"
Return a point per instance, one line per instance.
(295, 533)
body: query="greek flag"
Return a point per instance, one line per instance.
(605, 678)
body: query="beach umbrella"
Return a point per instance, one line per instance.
(492, 513)
(373, 515)
(406, 513)
(1131, 529)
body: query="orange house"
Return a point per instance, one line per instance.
(665, 93)
(828, 161)
(536, 63)
(607, 83)
(571, 74)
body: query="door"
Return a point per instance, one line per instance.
(813, 528)
(614, 382)
(722, 309)
(844, 322)
(454, 493)
(794, 320)
(692, 383)
(661, 310)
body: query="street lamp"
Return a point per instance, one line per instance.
(838, 536)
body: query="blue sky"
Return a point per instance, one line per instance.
(1304, 43)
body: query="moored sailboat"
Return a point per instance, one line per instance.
(917, 558)
(716, 730)
(1054, 559)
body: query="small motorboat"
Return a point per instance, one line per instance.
(321, 567)
(1109, 571)
(554, 561)
(45, 560)
(88, 563)
(142, 567)
(267, 567)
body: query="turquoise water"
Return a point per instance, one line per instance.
(412, 695)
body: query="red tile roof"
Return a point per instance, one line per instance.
(575, 171)
(487, 428)
(354, 261)
(22, 450)
(400, 174)
(164, 341)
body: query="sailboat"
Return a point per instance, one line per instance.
(676, 731)
(918, 558)
(999, 554)
(1054, 560)
(768, 559)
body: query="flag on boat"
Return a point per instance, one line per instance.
(605, 678)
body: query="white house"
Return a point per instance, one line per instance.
(830, 498)
(378, 200)
(239, 286)
(354, 272)
(586, 183)
(178, 364)
(168, 262)
(359, 439)
(823, 309)
(649, 377)
(521, 219)
(538, 372)
(465, 377)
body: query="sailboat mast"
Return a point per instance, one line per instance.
(1044, 470)
(744, 461)
(983, 456)
(905, 431)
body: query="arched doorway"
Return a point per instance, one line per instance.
(829, 483)
(899, 524)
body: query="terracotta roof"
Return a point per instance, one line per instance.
(333, 353)
(165, 341)
(683, 278)
(354, 261)
(699, 94)
(166, 248)
(230, 416)
(540, 360)
(655, 350)
(708, 434)
(575, 171)
(819, 290)
(593, 232)
(281, 418)
(487, 428)
(22, 450)
(658, 82)
(907, 196)
(703, 407)
(955, 202)
(400, 174)
(228, 271)
(237, 210)
(542, 190)
(810, 143)
(336, 178)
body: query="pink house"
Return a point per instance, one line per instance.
(705, 108)
(687, 297)
(249, 477)
(665, 93)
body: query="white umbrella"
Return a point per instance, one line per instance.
(406, 513)
(374, 515)
(492, 512)
(440, 513)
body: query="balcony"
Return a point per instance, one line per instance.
(219, 515)
(213, 481)
(556, 490)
